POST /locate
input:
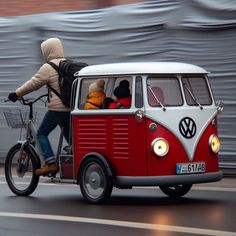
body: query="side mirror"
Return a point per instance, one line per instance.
(220, 107)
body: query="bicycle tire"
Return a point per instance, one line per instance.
(15, 171)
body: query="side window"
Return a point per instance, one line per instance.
(138, 92)
(92, 93)
(105, 93)
(164, 91)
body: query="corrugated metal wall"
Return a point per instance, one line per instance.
(201, 32)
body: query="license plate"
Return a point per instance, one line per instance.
(190, 168)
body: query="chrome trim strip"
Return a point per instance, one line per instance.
(128, 181)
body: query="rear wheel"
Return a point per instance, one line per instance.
(20, 166)
(177, 190)
(95, 182)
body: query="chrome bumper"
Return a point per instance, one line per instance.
(128, 181)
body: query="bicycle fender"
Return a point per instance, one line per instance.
(33, 152)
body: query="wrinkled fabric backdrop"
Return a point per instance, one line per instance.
(202, 32)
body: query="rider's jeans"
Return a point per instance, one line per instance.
(49, 123)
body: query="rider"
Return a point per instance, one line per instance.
(57, 114)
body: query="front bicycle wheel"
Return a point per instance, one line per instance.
(20, 166)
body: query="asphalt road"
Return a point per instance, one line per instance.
(59, 209)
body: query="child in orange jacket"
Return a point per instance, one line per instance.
(95, 95)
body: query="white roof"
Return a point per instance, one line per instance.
(142, 68)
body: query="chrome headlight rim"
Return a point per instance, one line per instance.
(214, 143)
(158, 148)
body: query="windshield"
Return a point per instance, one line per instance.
(196, 91)
(164, 92)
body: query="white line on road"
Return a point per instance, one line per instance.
(118, 223)
(195, 187)
(210, 188)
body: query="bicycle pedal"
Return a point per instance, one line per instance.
(51, 175)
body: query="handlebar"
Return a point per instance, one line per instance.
(29, 102)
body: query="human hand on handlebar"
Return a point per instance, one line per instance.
(13, 97)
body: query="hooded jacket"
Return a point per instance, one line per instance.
(52, 50)
(94, 100)
(95, 95)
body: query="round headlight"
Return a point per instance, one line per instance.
(214, 143)
(160, 147)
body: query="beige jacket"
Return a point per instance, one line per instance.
(52, 50)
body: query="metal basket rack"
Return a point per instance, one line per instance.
(16, 118)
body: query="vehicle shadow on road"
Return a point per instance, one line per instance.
(156, 197)
(151, 201)
(133, 197)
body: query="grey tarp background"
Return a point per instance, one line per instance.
(201, 32)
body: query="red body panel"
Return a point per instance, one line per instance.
(119, 138)
(126, 144)
(158, 166)
(203, 152)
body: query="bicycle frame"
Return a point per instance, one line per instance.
(23, 158)
(30, 138)
(31, 133)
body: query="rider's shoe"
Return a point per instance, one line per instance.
(47, 169)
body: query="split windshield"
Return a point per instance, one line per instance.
(164, 92)
(196, 91)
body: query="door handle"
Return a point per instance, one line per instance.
(139, 116)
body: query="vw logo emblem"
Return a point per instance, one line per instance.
(187, 127)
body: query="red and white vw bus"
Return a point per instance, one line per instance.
(167, 137)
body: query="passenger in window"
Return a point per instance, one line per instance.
(96, 95)
(122, 96)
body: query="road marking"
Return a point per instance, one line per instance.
(45, 184)
(211, 188)
(118, 223)
(195, 187)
